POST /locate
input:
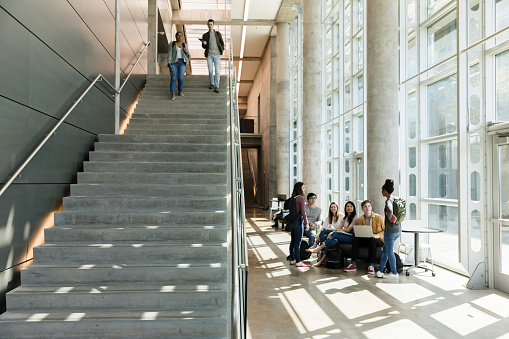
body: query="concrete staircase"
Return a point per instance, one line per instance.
(140, 248)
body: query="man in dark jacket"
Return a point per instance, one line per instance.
(213, 44)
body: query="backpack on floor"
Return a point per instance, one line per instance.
(334, 258)
(399, 264)
(303, 254)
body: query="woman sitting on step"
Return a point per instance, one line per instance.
(342, 234)
(178, 56)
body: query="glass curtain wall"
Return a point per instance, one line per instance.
(429, 92)
(296, 100)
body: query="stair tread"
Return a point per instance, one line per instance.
(117, 288)
(181, 314)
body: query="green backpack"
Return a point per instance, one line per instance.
(399, 209)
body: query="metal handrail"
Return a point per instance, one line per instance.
(239, 249)
(100, 77)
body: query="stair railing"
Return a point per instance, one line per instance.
(98, 78)
(239, 248)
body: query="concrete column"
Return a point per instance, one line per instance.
(152, 37)
(312, 96)
(273, 120)
(382, 116)
(283, 109)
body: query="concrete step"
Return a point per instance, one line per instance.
(160, 131)
(97, 297)
(127, 252)
(196, 157)
(188, 115)
(169, 139)
(156, 147)
(151, 178)
(147, 190)
(155, 167)
(186, 271)
(109, 233)
(125, 218)
(143, 203)
(190, 92)
(174, 126)
(167, 120)
(191, 100)
(114, 323)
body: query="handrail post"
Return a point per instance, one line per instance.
(117, 66)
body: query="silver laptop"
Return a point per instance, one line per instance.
(363, 231)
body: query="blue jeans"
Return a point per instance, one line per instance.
(311, 234)
(216, 60)
(388, 252)
(177, 69)
(337, 238)
(323, 235)
(296, 229)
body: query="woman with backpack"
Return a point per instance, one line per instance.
(178, 56)
(297, 224)
(391, 233)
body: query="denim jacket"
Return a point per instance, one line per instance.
(172, 53)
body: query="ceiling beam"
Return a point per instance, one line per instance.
(192, 17)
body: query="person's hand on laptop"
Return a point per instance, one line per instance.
(376, 236)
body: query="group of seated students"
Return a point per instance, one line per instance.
(338, 228)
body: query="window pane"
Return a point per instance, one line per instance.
(502, 18)
(360, 181)
(475, 149)
(475, 230)
(347, 166)
(442, 39)
(475, 186)
(445, 245)
(442, 170)
(360, 134)
(413, 212)
(411, 60)
(475, 109)
(347, 184)
(474, 75)
(412, 115)
(502, 86)
(412, 157)
(442, 105)
(412, 185)
(503, 156)
(360, 90)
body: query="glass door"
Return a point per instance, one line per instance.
(501, 214)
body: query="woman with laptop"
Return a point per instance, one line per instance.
(369, 232)
(344, 232)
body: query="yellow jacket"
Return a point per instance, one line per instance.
(377, 223)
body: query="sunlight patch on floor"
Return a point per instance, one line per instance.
(313, 317)
(399, 329)
(405, 293)
(464, 319)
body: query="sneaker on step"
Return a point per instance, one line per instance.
(371, 270)
(379, 274)
(391, 276)
(351, 268)
(211, 87)
(216, 89)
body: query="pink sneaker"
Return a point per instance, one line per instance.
(302, 265)
(351, 268)
(371, 270)
(292, 262)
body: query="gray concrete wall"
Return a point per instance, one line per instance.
(262, 87)
(51, 51)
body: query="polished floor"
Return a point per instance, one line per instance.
(289, 302)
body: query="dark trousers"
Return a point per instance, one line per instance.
(371, 243)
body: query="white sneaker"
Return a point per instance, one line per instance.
(391, 276)
(379, 274)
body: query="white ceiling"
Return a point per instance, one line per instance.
(256, 36)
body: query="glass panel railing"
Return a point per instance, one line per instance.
(239, 250)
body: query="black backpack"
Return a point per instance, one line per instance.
(399, 264)
(291, 206)
(334, 258)
(304, 255)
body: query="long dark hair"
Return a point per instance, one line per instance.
(297, 189)
(352, 215)
(332, 217)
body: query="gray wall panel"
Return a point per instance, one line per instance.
(51, 50)
(13, 136)
(13, 49)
